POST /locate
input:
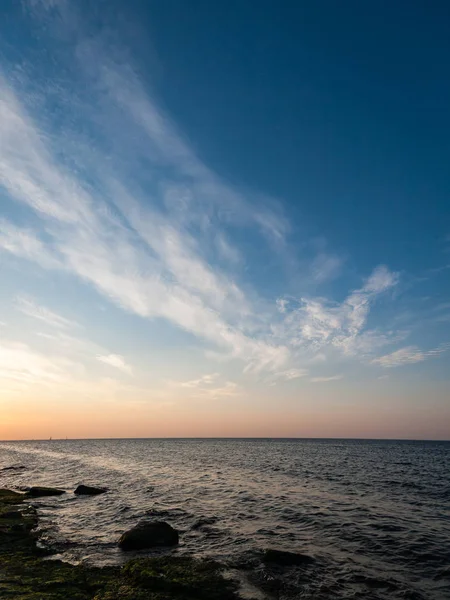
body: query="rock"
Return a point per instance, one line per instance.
(10, 495)
(148, 534)
(285, 558)
(11, 514)
(87, 490)
(39, 492)
(20, 468)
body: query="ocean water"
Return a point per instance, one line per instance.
(375, 515)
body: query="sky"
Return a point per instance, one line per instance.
(224, 219)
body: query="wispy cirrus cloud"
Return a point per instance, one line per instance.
(326, 267)
(25, 372)
(25, 243)
(201, 381)
(290, 374)
(117, 361)
(142, 255)
(65, 343)
(210, 386)
(408, 355)
(22, 365)
(318, 323)
(28, 307)
(326, 379)
(129, 208)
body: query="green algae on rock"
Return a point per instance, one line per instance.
(167, 578)
(25, 575)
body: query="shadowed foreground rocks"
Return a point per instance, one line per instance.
(88, 490)
(286, 559)
(25, 575)
(42, 492)
(149, 534)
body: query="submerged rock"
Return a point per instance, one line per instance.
(285, 558)
(204, 522)
(87, 490)
(40, 492)
(148, 534)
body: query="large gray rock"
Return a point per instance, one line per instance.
(149, 534)
(285, 558)
(40, 492)
(87, 490)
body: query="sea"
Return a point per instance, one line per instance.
(374, 515)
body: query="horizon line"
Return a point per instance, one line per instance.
(74, 439)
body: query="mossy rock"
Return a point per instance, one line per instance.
(177, 578)
(10, 497)
(24, 575)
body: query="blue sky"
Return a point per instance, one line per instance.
(224, 219)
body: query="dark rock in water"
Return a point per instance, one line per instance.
(8, 496)
(148, 534)
(40, 492)
(11, 514)
(286, 559)
(87, 490)
(20, 468)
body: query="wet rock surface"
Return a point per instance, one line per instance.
(42, 492)
(149, 534)
(88, 490)
(285, 558)
(25, 575)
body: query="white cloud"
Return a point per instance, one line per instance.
(326, 379)
(318, 323)
(146, 242)
(207, 386)
(31, 309)
(326, 267)
(291, 374)
(144, 260)
(201, 381)
(24, 243)
(22, 365)
(282, 304)
(408, 355)
(32, 375)
(117, 361)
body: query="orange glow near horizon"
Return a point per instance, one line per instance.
(41, 420)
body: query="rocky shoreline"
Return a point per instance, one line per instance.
(27, 574)
(30, 571)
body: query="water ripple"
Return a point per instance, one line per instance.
(375, 515)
